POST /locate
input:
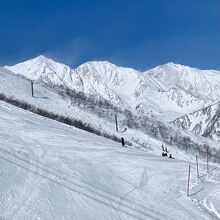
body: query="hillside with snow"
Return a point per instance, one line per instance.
(53, 171)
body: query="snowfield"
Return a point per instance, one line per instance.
(49, 170)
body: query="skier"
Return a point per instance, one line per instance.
(122, 142)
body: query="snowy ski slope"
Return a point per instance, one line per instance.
(52, 171)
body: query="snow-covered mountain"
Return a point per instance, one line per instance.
(205, 122)
(170, 92)
(48, 71)
(203, 84)
(165, 91)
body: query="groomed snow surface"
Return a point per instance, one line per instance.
(50, 170)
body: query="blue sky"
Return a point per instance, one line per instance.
(135, 33)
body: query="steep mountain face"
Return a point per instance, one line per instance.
(205, 122)
(48, 71)
(199, 83)
(129, 85)
(42, 69)
(101, 78)
(106, 78)
(141, 91)
(167, 91)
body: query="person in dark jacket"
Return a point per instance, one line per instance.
(122, 142)
(164, 154)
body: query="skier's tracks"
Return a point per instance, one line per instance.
(109, 199)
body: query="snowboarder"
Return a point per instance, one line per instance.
(122, 142)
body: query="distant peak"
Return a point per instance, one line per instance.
(100, 62)
(41, 58)
(97, 64)
(171, 64)
(44, 60)
(176, 66)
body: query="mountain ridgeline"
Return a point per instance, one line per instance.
(169, 90)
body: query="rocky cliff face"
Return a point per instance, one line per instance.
(205, 122)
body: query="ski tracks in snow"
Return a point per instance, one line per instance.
(53, 171)
(206, 193)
